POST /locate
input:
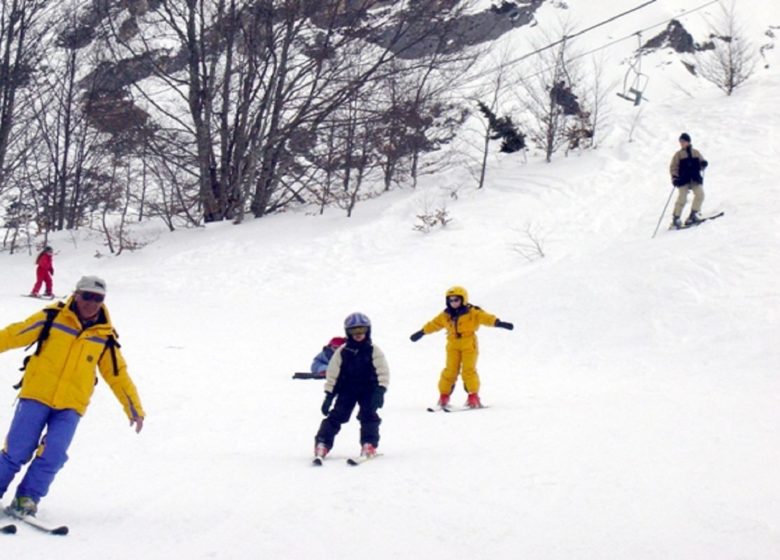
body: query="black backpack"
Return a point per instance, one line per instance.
(51, 314)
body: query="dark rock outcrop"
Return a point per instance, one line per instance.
(677, 37)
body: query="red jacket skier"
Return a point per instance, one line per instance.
(44, 272)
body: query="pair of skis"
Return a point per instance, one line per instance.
(352, 461)
(29, 520)
(356, 461)
(700, 221)
(450, 408)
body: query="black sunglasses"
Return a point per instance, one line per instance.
(92, 296)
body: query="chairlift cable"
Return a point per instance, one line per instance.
(602, 47)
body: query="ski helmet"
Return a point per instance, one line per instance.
(356, 320)
(460, 292)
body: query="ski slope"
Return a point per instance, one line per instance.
(633, 410)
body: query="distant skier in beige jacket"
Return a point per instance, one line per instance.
(686, 171)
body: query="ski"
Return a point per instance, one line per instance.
(8, 528)
(702, 220)
(307, 375)
(38, 297)
(438, 408)
(37, 524)
(51, 529)
(360, 459)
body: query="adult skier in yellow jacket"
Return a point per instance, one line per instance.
(462, 320)
(72, 339)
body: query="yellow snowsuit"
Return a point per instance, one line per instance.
(462, 345)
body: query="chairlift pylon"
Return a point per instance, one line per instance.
(634, 91)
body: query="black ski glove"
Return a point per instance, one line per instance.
(502, 325)
(416, 336)
(326, 403)
(378, 398)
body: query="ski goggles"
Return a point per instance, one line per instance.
(357, 330)
(92, 296)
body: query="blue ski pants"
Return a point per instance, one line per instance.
(24, 438)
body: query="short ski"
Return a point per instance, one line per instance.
(359, 460)
(701, 220)
(307, 375)
(51, 529)
(438, 408)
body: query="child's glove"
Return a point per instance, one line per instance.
(378, 398)
(326, 403)
(502, 325)
(416, 336)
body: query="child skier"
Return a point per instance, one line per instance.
(43, 272)
(461, 319)
(320, 364)
(357, 375)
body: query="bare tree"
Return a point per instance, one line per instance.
(488, 136)
(71, 154)
(596, 94)
(488, 99)
(548, 95)
(21, 27)
(733, 59)
(257, 79)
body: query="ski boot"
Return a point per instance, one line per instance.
(473, 401)
(368, 450)
(22, 506)
(676, 223)
(444, 400)
(320, 450)
(693, 218)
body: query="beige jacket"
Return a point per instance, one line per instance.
(681, 154)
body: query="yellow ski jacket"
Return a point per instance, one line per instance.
(62, 375)
(463, 325)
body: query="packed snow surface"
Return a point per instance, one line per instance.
(633, 410)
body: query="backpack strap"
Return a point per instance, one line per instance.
(51, 313)
(111, 346)
(46, 329)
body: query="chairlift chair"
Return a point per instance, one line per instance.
(635, 91)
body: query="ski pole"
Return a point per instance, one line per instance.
(662, 213)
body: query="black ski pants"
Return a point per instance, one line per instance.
(340, 414)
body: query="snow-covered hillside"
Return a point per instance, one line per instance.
(633, 410)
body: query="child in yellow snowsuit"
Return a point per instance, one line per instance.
(462, 320)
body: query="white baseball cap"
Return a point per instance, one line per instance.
(91, 284)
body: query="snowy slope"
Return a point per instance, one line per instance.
(633, 409)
